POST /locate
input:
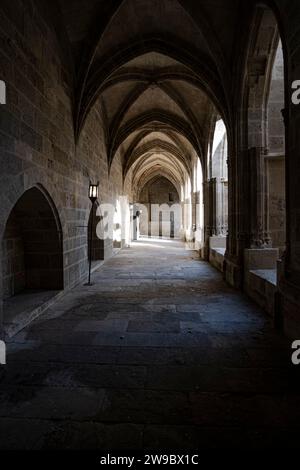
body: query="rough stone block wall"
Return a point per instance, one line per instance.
(37, 145)
(159, 192)
(34, 257)
(13, 265)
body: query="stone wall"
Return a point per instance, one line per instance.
(13, 259)
(158, 192)
(37, 144)
(32, 248)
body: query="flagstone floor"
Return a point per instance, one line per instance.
(158, 353)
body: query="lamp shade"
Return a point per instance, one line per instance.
(93, 191)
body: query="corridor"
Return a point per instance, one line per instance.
(158, 353)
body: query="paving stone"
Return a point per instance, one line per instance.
(168, 356)
(62, 353)
(50, 403)
(145, 406)
(154, 326)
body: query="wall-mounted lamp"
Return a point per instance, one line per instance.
(93, 196)
(93, 192)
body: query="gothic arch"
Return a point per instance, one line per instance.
(32, 244)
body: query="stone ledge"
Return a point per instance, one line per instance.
(269, 275)
(261, 259)
(260, 277)
(217, 249)
(261, 286)
(29, 313)
(216, 257)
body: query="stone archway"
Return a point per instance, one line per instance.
(32, 254)
(159, 196)
(32, 246)
(265, 152)
(266, 133)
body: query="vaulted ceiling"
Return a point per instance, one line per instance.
(161, 72)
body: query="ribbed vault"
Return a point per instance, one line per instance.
(158, 80)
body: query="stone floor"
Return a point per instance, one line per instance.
(21, 309)
(159, 353)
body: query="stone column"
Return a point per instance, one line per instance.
(213, 206)
(194, 214)
(220, 206)
(224, 206)
(237, 238)
(259, 237)
(207, 222)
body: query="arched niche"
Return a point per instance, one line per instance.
(32, 248)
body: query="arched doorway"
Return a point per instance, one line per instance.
(266, 133)
(32, 246)
(32, 255)
(264, 128)
(218, 193)
(159, 195)
(218, 180)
